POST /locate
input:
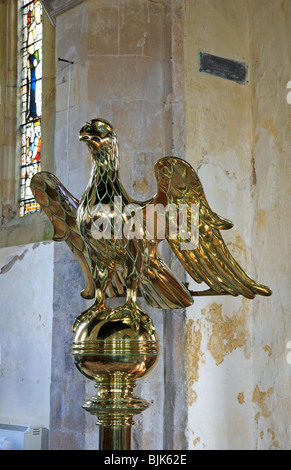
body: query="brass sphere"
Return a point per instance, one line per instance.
(115, 342)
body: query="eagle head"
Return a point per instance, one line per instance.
(100, 138)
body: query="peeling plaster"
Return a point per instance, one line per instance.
(274, 441)
(11, 263)
(228, 332)
(224, 334)
(241, 398)
(268, 350)
(193, 357)
(260, 398)
(238, 248)
(237, 138)
(196, 441)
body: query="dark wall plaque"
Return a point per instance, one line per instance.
(224, 68)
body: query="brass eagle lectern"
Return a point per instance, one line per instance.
(115, 240)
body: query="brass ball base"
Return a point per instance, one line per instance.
(115, 347)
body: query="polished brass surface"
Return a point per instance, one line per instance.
(122, 266)
(116, 347)
(115, 437)
(121, 341)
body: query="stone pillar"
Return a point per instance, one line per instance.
(115, 63)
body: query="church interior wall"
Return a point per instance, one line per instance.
(223, 379)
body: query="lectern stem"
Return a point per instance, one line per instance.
(115, 437)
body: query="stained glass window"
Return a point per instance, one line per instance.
(31, 101)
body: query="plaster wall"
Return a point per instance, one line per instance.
(270, 46)
(26, 286)
(237, 138)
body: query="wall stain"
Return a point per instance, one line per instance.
(7, 213)
(225, 333)
(141, 186)
(261, 218)
(238, 248)
(195, 442)
(228, 332)
(193, 357)
(268, 350)
(270, 126)
(275, 443)
(9, 265)
(253, 172)
(241, 398)
(260, 399)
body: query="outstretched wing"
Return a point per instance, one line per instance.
(210, 262)
(61, 208)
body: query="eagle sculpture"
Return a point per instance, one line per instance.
(131, 265)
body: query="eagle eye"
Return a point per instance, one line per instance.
(102, 130)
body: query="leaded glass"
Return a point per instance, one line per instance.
(31, 101)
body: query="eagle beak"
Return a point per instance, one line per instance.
(91, 133)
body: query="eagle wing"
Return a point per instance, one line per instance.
(210, 261)
(61, 208)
